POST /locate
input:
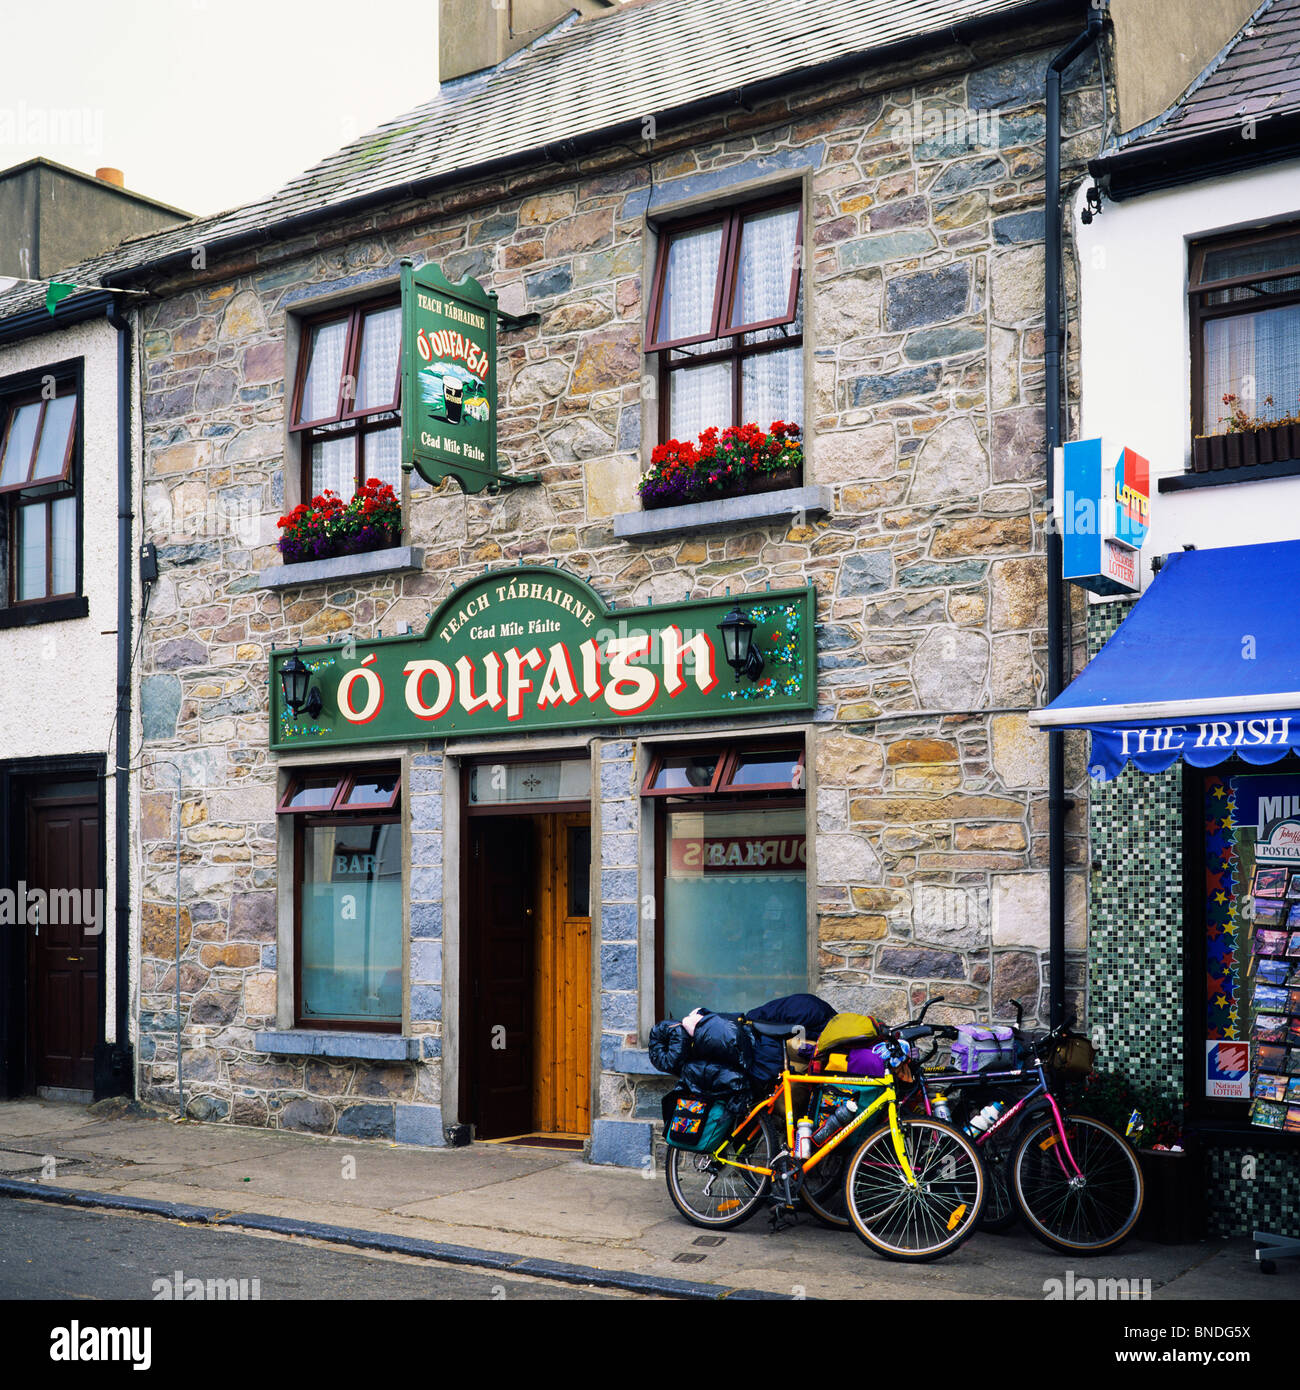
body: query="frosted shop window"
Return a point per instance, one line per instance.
(731, 855)
(726, 319)
(348, 897)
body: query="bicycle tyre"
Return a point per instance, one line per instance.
(915, 1224)
(708, 1193)
(1078, 1217)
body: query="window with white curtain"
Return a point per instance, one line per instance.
(345, 408)
(1245, 314)
(726, 320)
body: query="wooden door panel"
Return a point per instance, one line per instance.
(64, 956)
(563, 1071)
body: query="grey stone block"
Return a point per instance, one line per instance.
(367, 1122)
(618, 967)
(419, 1124)
(621, 1143)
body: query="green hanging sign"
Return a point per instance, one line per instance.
(535, 648)
(449, 378)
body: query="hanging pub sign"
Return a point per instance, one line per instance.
(1102, 503)
(449, 378)
(536, 648)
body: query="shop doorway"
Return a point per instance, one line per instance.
(526, 977)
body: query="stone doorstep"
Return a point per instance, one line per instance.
(754, 509)
(396, 560)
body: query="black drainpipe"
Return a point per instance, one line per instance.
(1057, 803)
(120, 1071)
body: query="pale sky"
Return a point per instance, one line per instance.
(206, 104)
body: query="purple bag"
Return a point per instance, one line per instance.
(983, 1048)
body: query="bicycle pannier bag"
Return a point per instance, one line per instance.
(980, 1048)
(1073, 1056)
(697, 1124)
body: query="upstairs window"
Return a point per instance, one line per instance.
(1245, 320)
(38, 441)
(345, 406)
(726, 320)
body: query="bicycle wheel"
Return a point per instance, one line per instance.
(1085, 1214)
(921, 1222)
(714, 1194)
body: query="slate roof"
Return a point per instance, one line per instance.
(1256, 75)
(580, 78)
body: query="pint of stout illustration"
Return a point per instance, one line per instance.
(453, 391)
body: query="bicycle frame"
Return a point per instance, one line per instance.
(1040, 1088)
(785, 1089)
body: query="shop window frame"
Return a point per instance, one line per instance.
(731, 219)
(1199, 312)
(1221, 1123)
(747, 799)
(304, 819)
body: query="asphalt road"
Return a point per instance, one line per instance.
(57, 1252)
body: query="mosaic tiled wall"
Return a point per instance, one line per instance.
(1135, 969)
(1135, 910)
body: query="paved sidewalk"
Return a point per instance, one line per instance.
(499, 1200)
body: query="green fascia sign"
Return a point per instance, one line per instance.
(449, 378)
(534, 648)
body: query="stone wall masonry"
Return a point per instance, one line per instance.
(923, 294)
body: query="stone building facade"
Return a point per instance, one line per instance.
(921, 183)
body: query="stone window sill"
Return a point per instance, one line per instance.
(369, 1047)
(398, 560)
(756, 509)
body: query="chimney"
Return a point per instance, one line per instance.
(473, 35)
(114, 176)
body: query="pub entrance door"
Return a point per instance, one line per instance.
(526, 976)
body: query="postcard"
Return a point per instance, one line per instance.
(1270, 1086)
(1270, 912)
(1267, 1113)
(1269, 943)
(1269, 1028)
(1273, 972)
(1269, 882)
(1271, 997)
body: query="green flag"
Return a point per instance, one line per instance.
(57, 291)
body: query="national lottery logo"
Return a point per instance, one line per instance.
(1132, 497)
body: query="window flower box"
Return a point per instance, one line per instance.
(735, 462)
(326, 527)
(1242, 448)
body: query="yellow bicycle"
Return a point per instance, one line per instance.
(913, 1187)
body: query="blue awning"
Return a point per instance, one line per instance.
(1205, 666)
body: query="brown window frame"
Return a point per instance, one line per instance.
(345, 422)
(1199, 313)
(304, 819)
(732, 221)
(43, 492)
(768, 797)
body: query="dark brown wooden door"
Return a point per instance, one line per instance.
(64, 957)
(502, 923)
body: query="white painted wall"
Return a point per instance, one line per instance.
(58, 681)
(1135, 350)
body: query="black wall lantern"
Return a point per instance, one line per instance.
(295, 685)
(742, 655)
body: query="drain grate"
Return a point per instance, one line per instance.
(686, 1258)
(710, 1241)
